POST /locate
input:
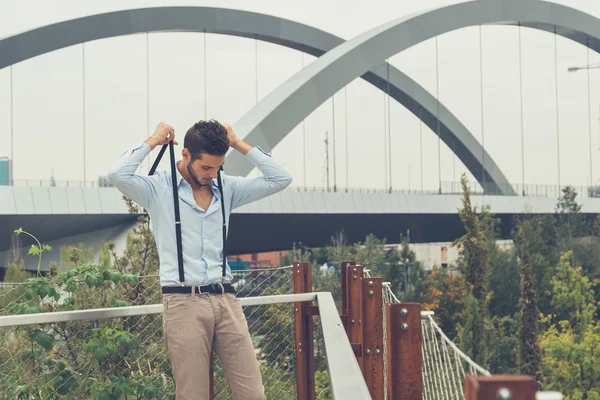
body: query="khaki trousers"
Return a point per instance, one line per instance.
(192, 324)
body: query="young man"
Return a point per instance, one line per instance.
(201, 312)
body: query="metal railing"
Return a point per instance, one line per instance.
(445, 188)
(28, 372)
(122, 346)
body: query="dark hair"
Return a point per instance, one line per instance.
(206, 137)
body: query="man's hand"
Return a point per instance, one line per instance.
(231, 136)
(163, 134)
(235, 142)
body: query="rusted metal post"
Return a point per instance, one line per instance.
(305, 367)
(372, 303)
(354, 276)
(509, 387)
(344, 289)
(404, 354)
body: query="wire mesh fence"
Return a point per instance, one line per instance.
(117, 357)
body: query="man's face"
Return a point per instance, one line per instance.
(204, 168)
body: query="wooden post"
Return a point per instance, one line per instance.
(372, 302)
(354, 276)
(305, 362)
(404, 355)
(513, 387)
(344, 289)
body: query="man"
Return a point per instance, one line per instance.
(201, 312)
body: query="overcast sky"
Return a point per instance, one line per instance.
(48, 107)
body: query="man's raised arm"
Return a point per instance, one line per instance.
(274, 177)
(140, 188)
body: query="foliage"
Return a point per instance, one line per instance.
(501, 334)
(35, 250)
(529, 347)
(572, 295)
(571, 361)
(370, 254)
(474, 245)
(504, 281)
(443, 294)
(405, 273)
(472, 333)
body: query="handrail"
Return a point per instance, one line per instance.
(117, 312)
(345, 376)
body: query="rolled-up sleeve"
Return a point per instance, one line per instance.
(274, 179)
(139, 188)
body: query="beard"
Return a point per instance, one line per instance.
(194, 177)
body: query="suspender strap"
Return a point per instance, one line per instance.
(157, 161)
(175, 202)
(220, 184)
(177, 216)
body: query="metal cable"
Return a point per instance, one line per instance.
(346, 128)
(521, 106)
(437, 95)
(483, 177)
(589, 110)
(83, 108)
(556, 98)
(389, 144)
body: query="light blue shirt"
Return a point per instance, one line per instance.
(201, 230)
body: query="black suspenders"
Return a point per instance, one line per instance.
(177, 216)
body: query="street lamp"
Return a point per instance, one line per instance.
(591, 66)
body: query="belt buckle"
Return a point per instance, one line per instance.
(222, 288)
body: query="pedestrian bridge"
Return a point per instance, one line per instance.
(307, 215)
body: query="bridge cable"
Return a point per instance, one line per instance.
(389, 125)
(346, 128)
(83, 108)
(256, 87)
(303, 136)
(483, 177)
(557, 114)
(385, 160)
(12, 127)
(521, 106)
(437, 95)
(205, 81)
(147, 90)
(256, 71)
(333, 129)
(589, 109)
(421, 142)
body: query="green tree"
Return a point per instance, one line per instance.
(504, 282)
(475, 248)
(572, 295)
(530, 358)
(406, 286)
(503, 344)
(475, 260)
(471, 332)
(339, 250)
(443, 294)
(571, 361)
(370, 254)
(298, 253)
